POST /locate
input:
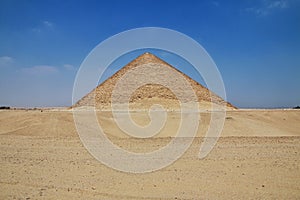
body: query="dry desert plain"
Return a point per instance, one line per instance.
(257, 157)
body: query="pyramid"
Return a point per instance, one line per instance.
(149, 94)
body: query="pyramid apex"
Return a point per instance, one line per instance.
(147, 57)
(147, 53)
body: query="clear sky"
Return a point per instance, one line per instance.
(255, 44)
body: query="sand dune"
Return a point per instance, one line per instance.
(257, 156)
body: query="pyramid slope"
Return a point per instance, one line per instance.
(148, 94)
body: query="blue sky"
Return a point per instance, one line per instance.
(255, 44)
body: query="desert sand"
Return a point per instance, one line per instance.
(257, 157)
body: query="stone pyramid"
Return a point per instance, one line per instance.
(149, 94)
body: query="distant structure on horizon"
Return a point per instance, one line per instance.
(149, 94)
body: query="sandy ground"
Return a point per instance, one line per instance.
(257, 157)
